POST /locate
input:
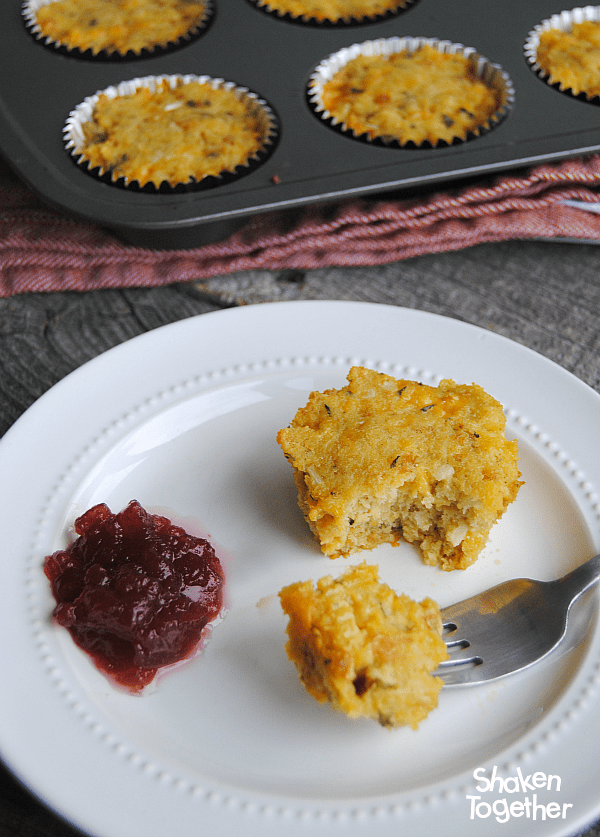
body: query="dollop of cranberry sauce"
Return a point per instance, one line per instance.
(134, 591)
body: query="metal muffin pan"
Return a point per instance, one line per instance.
(312, 163)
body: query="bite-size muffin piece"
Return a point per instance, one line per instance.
(364, 649)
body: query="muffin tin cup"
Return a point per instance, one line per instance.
(31, 7)
(74, 138)
(563, 21)
(335, 23)
(491, 74)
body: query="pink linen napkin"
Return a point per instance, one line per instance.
(43, 250)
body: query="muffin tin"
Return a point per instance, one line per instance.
(312, 163)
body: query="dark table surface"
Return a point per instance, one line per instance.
(543, 295)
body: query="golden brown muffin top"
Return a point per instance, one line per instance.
(175, 134)
(118, 25)
(572, 58)
(418, 96)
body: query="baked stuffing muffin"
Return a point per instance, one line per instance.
(334, 11)
(363, 648)
(172, 130)
(572, 58)
(425, 95)
(384, 459)
(118, 26)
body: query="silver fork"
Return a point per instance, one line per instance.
(511, 626)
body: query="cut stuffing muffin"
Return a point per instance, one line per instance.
(384, 459)
(363, 648)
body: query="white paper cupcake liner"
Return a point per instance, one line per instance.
(563, 21)
(491, 74)
(30, 9)
(350, 20)
(74, 138)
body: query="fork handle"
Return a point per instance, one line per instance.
(580, 579)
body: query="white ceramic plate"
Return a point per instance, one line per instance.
(184, 420)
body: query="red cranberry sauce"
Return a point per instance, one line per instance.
(134, 591)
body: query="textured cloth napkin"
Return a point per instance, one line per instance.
(43, 250)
